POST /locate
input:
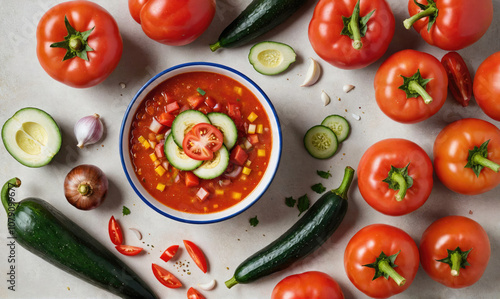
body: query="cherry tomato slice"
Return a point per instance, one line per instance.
(194, 294)
(169, 253)
(459, 78)
(166, 278)
(197, 255)
(115, 232)
(202, 141)
(128, 250)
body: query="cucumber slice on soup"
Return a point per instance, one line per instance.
(271, 58)
(215, 167)
(226, 125)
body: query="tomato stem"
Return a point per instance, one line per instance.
(354, 28)
(403, 187)
(430, 10)
(398, 179)
(75, 44)
(479, 159)
(456, 262)
(386, 268)
(416, 87)
(7, 202)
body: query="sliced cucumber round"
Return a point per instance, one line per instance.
(320, 142)
(271, 58)
(215, 167)
(32, 137)
(176, 156)
(226, 125)
(338, 125)
(184, 122)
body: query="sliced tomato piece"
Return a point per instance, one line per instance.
(202, 141)
(253, 138)
(191, 179)
(210, 102)
(169, 253)
(166, 278)
(459, 77)
(197, 255)
(166, 119)
(174, 106)
(115, 231)
(195, 101)
(128, 250)
(205, 109)
(194, 294)
(160, 149)
(238, 156)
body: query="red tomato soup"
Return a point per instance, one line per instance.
(206, 92)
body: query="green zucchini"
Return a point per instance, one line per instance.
(46, 232)
(259, 17)
(305, 236)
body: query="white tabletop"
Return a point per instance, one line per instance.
(24, 83)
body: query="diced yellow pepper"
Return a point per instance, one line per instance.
(246, 170)
(260, 129)
(261, 152)
(248, 163)
(141, 139)
(157, 163)
(160, 187)
(219, 192)
(216, 206)
(160, 170)
(252, 117)
(160, 137)
(153, 157)
(146, 144)
(238, 90)
(236, 195)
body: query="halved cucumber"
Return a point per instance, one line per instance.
(338, 125)
(32, 137)
(176, 156)
(226, 125)
(321, 142)
(184, 122)
(271, 58)
(215, 167)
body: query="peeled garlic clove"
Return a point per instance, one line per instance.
(325, 98)
(207, 286)
(88, 130)
(348, 87)
(312, 74)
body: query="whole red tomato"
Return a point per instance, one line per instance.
(450, 25)
(381, 260)
(411, 86)
(307, 285)
(135, 6)
(173, 22)
(467, 156)
(455, 251)
(487, 86)
(357, 42)
(86, 54)
(395, 176)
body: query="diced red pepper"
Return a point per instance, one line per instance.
(195, 101)
(174, 106)
(253, 138)
(210, 102)
(238, 156)
(184, 108)
(205, 109)
(202, 194)
(234, 111)
(191, 179)
(166, 119)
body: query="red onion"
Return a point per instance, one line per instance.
(88, 130)
(85, 187)
(234, 173)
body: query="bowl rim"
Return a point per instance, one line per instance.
(279, 142)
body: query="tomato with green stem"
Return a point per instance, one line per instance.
(115, 231)
(78, 43)
(351, 34)
(450, 25)
(467, 156)
(455, 251)
(459, 78)
(487, 87)
(197, 255)
(411, 86)
(395, 176)
(165, 277)
(308, 285)
(381, 260)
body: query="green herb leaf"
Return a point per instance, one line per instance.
(200, 91)
(290, 201)
(324, 174)
(318, 188)
(125, 211)
(303, 203)
(254, 221)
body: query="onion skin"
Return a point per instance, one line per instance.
(85, 187)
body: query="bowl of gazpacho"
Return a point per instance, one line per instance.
(200, 142)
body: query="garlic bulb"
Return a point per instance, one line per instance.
(88, 130)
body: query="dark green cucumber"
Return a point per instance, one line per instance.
(46, 232)
(305, 236)
(259, 17)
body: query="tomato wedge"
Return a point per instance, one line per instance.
(166, 278)
(194, 294)
(459, 78)
(115, 232)
(128, 250)
(202, 141)
(197, 255)
(169, 253)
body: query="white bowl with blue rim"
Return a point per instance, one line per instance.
(251, 198)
